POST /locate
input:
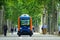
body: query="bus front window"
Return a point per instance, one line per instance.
(25, 22)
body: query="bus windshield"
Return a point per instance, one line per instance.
(25, 22)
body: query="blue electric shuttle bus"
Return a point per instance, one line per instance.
(24, 25)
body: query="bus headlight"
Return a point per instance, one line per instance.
(28, 28)
(20, 28)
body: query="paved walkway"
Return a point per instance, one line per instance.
(35, 36)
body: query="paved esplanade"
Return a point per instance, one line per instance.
(35, 36)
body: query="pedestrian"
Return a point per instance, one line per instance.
(5, 29)
(59, 30)
(12, 30)
(44, 29)
(33, 29)
(15, 29)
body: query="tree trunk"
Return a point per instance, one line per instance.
(52, 17)
(49, 16)
(1, 19)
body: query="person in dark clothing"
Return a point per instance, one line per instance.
(33, 29)
(15, 29)
(12, 30)
(5, 29)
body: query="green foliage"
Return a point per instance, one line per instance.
(0, 7)
(14, 8)
(59, 20)
(1, 2)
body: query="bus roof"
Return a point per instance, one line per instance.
(24, 15)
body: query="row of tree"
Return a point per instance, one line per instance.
(35, 8)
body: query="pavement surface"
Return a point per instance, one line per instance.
(35, 36)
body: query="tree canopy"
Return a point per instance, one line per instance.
(14, 8)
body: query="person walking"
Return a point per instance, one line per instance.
(59, 30)
(44, 29)
(5, 29)
(12, 30)
(15, 29)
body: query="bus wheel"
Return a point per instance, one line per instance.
(19, 35)
(30, 35)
